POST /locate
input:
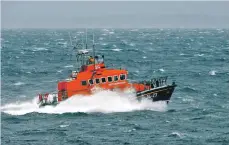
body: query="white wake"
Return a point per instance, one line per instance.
(104, 101)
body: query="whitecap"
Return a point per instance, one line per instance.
(19, 83)
(116, 49)
(180, 135)
(62, 43)
(80, 32)
(199, 55)
(104, 44)
(64, 125)
(144, 57)
(106, 30)
(39, 49)
(212, 73)
(132, 44)
(161, 69)
(187, 100)
(68, 66)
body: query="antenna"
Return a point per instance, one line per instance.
(94, 50)
(82, 42)
(70, 38)
(86, 38)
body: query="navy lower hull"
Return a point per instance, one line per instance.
(158, 94)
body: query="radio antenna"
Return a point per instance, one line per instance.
(82, 42)
(94, 50)
(70, 38)
(86, 38)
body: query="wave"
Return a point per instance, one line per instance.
(102, 101)
(116, 49)
(161, 70)
(189, 89)
(19, 83)
(212, 73)
(176, 134)
(68, 66)
(64, 125)
(104, 44)
(39, 49)
(181, 54)
(132, 44)
(62, 43)
(144, 57)
(60, 71)
(199, 54)
(111, 32)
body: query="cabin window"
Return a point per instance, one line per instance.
(97, 81)
(115, 78)
(109, 79)
(91, 82)
(84, 83)
(103, 80)
(122, 77)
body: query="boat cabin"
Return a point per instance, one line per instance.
(91, 72)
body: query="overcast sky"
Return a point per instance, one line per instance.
(115, 14)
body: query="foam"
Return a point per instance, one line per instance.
(116, 49)
(101, 101)
(212, 73)
(19, 83)
(39, 49)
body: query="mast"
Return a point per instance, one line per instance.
(82, 42)
(70, 38)
(86, 38)
(94, 50)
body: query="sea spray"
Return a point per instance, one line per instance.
(102, 101)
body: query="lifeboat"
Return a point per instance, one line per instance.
(91, 73)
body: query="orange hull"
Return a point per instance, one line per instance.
(88, 78)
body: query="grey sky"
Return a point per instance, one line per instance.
(114, 14)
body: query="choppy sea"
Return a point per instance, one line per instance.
(34, 60)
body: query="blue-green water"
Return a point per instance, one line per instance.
(32, 61)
